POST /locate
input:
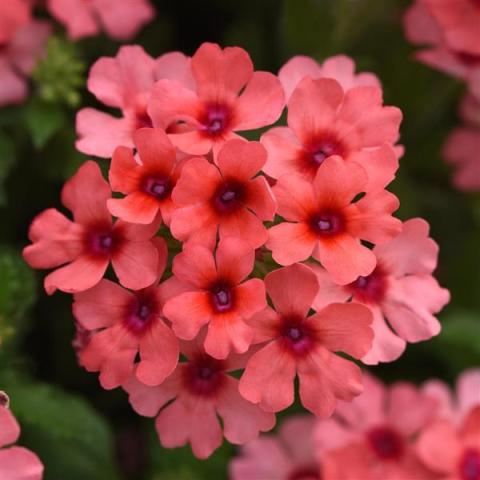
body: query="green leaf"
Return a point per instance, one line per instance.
(17, 292)
(43, 121)
(66, 433)
(7, 157)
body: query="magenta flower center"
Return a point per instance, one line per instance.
(101, 242)
(4, 400)
(305, 473)
(140, 312)
(386, 443)
(228, 197)
(143, 120)
(327, 223)
(469, 465)
(325, 151)
(204, 375)
(297, 338)
(157, 187)
(320, 148)
(221, 297)
(372, 288)
(215, 120)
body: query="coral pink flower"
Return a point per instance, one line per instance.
(228, 97)
(125, 324)
(287, 455)
(433, 25)
(13, 14)
(148, 183)
(91, 241)
(462, 150)
(467, 395)
(372, 436)
(21, 44)
(452, 453)
(226, 199)
(121, 20)
(401, 292)
(325, 121)
(124, 82)
(300, 344)
(459, 21)
(215, 295)
(322, 220)
(202, 390)
(340, 67)
(16, 463)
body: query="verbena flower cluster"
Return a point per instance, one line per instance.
(450, 31)
(398, 432)
(210, 271)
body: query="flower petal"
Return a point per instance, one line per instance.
(291, 242)
(260, 104)
(101, 306)
(159, 351)
(292, 289)
(188, 312)
(268, 378)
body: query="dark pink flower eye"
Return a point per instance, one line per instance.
(327, 223)
(222, 297)
(142, 119)
(371, 288)
(323, 147)
(305, 473)
(140, 312)
(101, 241)
(297, 338)
(228, 197)
(470, 465)
(385, 442)
(216, 119)
(158, 187)
(204, 375)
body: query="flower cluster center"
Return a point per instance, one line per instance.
(157, 187)
(386, 443)
(204, 375)
(142, 119)
(321, 147)
(140, 312)
(470, 465)
(101, 241)
(305, 473)
(221, 296)
(372, 288)
(228, 197)
(296, 336)
(215, 120)
(327, 223)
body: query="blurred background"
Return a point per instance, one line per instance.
(82, 431)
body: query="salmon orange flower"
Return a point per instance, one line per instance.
(89, 243)
(231, 199)
(228, 97)
(190, 401)
(323, 220)
(297, 343)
